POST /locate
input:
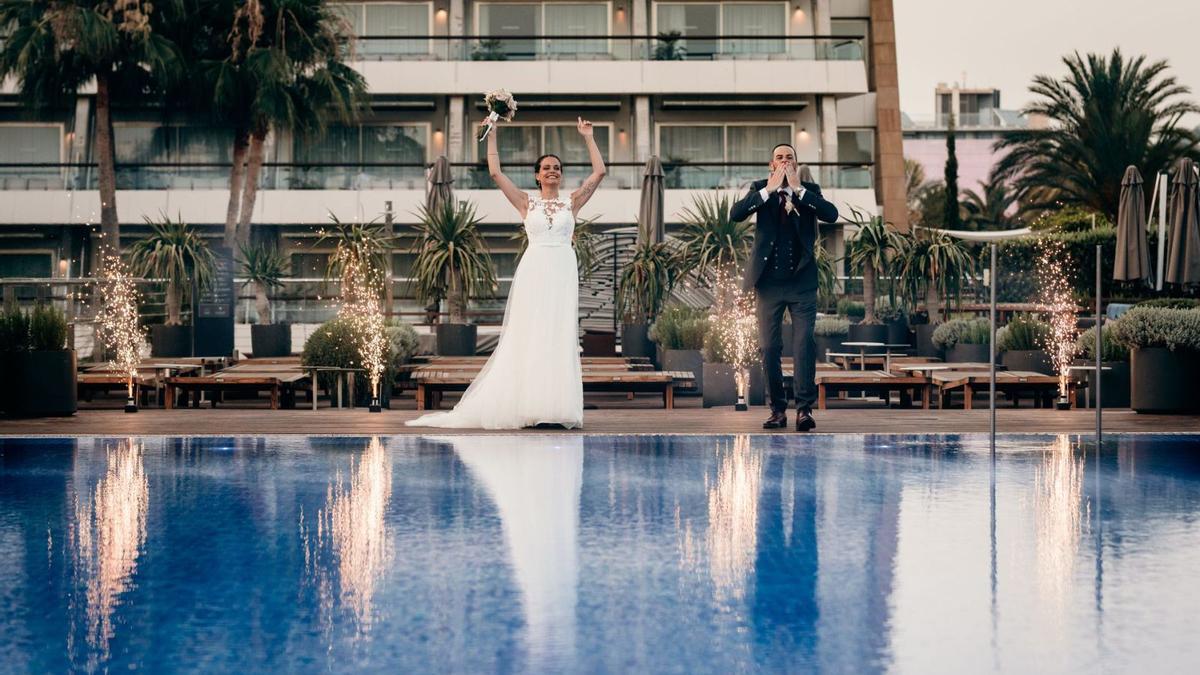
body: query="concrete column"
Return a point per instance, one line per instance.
(827, 114)
(643, 132)
(821, 17)
(455, 144)
(641, 17)
(889, 155)
(458, 19)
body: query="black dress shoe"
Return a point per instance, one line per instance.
(777, 420)
(805, 421)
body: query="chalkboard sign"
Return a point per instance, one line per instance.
(216, 301)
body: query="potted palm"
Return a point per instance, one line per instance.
(176, 254)
(964, 340)
(893, 316)
(868, 252)
(1022, 345)
(41, 369)
(932, 265)
(452, 262)
(1164, 357)
(644, 286)
(679, 332)
(1114, 362)
(264, 268)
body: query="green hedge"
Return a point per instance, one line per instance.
(1017, 264)
(679, 327)
(334, 343)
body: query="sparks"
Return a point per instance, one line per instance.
(732, 319)
(117, 320)
(1056, 299)
(362, 288)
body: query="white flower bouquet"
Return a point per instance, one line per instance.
(501, 105)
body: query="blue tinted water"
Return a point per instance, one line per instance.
(600, 554)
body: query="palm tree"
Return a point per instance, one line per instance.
(176, 253)
(710, 240)
(55, 48)
(264, 268)
(869, 250)
(280, 66)
(1107, 113)
(452, 259)
(369, 243)
(991, 208)
(934, 264)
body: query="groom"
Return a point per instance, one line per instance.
(783, 273)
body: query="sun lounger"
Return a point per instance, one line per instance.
(834, 382)
(432, 382)
(1013, 383)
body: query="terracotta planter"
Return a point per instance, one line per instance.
(456, 339)
(1163, 381)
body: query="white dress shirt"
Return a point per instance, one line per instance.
(766, 196)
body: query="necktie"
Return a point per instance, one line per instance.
(782, 205)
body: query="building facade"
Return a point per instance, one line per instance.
(709, 87)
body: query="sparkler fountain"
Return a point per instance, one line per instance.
(118, 322)
(1056, 298)
(733, 321)
(362, 287)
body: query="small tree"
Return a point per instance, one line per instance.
(175, 253)
(264, 268)
(953, 217)
(869, 251)
(452, 259)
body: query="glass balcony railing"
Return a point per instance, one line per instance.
(399, 176)
(665, 47)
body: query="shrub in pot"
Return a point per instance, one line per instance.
(451, 262)
(336, 343)
(40, 372)
(264, 269)
(176, 253)
(679, 331)
(1164, 357)
(964, 340)
(1114, 362)
(644, 286)
(1022, 345)
(895, 318)
(720, 385)
(829, 333)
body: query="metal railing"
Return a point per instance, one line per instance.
(532, 47)
(404, 176)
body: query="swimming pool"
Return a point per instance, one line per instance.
(590, 554)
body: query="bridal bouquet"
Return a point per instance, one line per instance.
(500, 104)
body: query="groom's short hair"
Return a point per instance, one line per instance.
(783, 145)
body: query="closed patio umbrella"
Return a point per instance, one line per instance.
(439, 189)
(1183, 246)
(1133, 252)
(651, 226)
(806, 174)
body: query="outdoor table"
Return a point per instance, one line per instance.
(348, 374)
(900, 347)
(1087, 391)
(162, 370)
(862, 350)
(925, 367)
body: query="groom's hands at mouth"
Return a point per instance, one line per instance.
(792, 173)
(775, 180)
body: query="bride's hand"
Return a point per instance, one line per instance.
(584, 126)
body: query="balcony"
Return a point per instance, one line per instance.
(304, 194)
(574, 64)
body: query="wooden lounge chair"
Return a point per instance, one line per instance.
(833, 382)
(432, 382)
(1043, 388)
(282, 384)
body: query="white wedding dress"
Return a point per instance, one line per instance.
(534, 375)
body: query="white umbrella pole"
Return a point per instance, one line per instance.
(1161, 189)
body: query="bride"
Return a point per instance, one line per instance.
(534, 376)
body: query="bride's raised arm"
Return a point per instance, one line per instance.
(585, 191)
(518, 197)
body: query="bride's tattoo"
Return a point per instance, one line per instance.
(585, 191)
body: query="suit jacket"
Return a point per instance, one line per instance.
(769, 225)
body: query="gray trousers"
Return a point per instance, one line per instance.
(773, 299)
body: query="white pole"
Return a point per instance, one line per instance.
(992, 352)
(1163, 197)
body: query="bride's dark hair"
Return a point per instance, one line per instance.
(537, 166)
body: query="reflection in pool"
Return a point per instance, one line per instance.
(556, 553)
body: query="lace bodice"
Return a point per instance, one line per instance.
(549, 222)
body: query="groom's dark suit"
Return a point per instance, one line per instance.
(783, 274)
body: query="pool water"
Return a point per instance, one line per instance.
(560, 553)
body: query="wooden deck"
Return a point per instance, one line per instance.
(616, 420)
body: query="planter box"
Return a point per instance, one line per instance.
(270, 340)
(968, 354)
(635, 340)
(924, 340)
(1163, 381)
(456, 339)
(720, 389)
(686, 359)
(1032, 360)
(599, 343)
(170, 341)
(897, 332)
(41, 384)
(1115, 381)
(868, 333)
(758, 386)
(828, 344)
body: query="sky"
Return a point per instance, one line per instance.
(1004, 43)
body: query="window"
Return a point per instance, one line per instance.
(521, 145)
(514, 24)
(309, 265)
(156, 144)
(855, 145)
(402, 149)
(17, 265)
(30, 144)
(746, 144)
(387, 19)
(740, 19)
(850, 50)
